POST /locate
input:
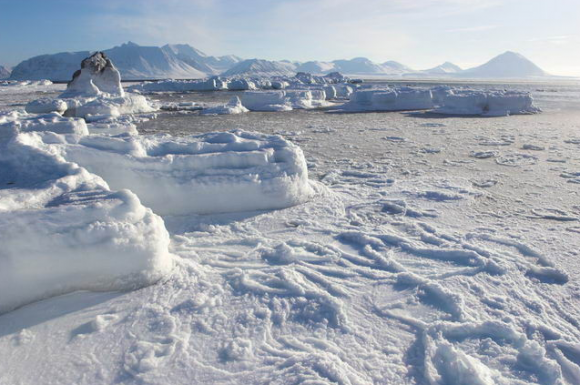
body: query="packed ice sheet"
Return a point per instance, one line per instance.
(396, 99)
(211, 173)
(484, 102)
(62, 229)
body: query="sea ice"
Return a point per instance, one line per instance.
(234, 106)
(62, 229)
(484, 102)
(398, 99)
(210, 173)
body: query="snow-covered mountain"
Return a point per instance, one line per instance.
(394, 67)
(507, 65)
(4, 72)
(443, 69)
(258, 67)
(132, 60)
(182, 61)
(316, 67)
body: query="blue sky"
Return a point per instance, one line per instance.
(419, 33)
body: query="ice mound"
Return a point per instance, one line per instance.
(284, 100)
(396, 99)
(485, 102)
(210, 173)
(170, 85)
(24, 83)
(234, 106)
(63, 230)
(241, 85)
(52, 122)
(94, 93)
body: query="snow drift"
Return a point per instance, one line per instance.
(234, 106)
(85, 236)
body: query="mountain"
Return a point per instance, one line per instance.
(443, 69)
(4, 72)
(258, 67)
(132, 60)
(358, 66)
(394, 67)
(507, 65)
(316, 67)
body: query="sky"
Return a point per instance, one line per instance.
(418, 33)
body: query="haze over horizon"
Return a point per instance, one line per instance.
(422, 35)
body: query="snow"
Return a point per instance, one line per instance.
(211, 173)
(63, 230)
(261, 68)
(436, 249)
(397, 99)
(284, 100)
(484, 102)
(234, 106)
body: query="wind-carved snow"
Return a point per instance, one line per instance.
(51, 209)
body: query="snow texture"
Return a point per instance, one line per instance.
(62, 229)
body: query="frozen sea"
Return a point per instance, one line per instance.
(439, 250)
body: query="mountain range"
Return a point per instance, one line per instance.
(182, 61)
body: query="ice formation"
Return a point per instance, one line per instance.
(234, 106)
(62, 229)
(484, 102)
(397, 99)
(94, 93)
(210, 173)
(284, 100)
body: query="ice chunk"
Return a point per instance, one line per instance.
(265, 101)
(485, 102)
(241, 85)
(210, 173)
(97, 75)
(399, 99)
(52, 122)
(284, 100)
(84, 237)
(234, 106)
(46, 105)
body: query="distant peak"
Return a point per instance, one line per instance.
(130, 44)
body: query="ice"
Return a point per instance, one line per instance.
(52, 122)
(211, 173)
(398, 99)
(265, 101)
(241, 84)
(95, 93)
(63, 230)
(284, 100)
(97, 75)
(485, 103)
(234, 106)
